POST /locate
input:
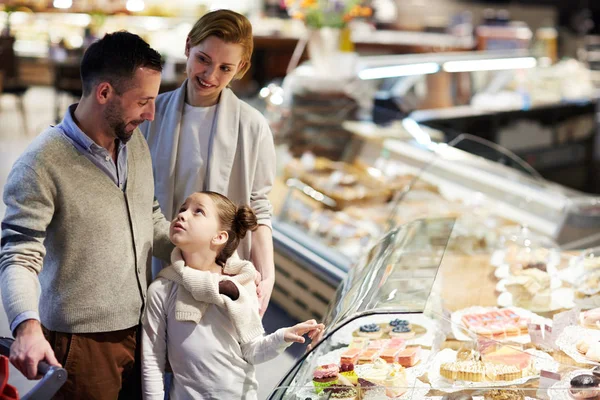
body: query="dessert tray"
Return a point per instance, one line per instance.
(540, 360)
(426, 332)
(416, 390)
(462, 333)
(570, 336)
(412, 373)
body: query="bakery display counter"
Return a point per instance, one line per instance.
(416, 318)
(334, 212)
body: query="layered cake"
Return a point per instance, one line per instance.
(409, 356)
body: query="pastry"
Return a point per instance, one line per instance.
(504, 394)
(347, 371)
(370, 331)
(350, 356)
(396, 342)
(368, 356)
(397, 322)
(358, 343)
(395, 383)
(378, 373)
(402, 331)
(584, 387)
(341, 393)
(409, 356)
(507, 355)
(593, 352)
(502, 372)
(390, 354)
(377, 344)
(596, 371)
(457, 396)
(325, 376)
(583, 346)
(591, 318)
(472, 371)
(369, 390)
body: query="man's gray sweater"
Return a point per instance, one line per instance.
(74, 243)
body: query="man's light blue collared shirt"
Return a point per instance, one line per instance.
(100, 157)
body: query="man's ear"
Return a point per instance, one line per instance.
(103, 92)
(220, 238)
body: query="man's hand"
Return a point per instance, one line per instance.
(29, 348)
(264, 290)
(296, 332)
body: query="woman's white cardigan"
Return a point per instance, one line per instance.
(241, 163)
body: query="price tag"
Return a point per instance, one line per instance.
(536, 333)
(547, 379)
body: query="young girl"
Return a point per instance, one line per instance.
(212, 340)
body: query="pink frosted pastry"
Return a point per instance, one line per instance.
(377, 344)
(350, 356)
(368, 356)
(409, 356)
(390, 354)
(358, 343)
(397, 342)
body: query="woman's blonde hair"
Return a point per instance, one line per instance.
(237, 221)
(228, 26)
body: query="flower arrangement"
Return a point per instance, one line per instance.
(328, 13)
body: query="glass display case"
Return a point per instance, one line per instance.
(416, 319)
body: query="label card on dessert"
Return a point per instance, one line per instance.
(536, 334)
(562, 320)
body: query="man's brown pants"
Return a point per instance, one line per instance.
(101, 366)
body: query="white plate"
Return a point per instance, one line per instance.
(541, 361)
(460, 332)
(568, 338)
(417, 391)
(345, 334)
(562, 298)
(560, 390)
(555, 283)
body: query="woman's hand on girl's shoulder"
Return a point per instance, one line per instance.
(296, 333)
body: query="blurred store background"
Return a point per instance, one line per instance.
(481, 110)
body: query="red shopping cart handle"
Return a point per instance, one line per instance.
(52, 380)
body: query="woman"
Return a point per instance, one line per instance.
(204, 138)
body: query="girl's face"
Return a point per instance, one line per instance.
(210, 67)
(196, 226)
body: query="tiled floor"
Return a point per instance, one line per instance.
(39, 105)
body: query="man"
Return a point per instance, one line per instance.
(81, 226)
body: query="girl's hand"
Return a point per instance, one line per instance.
(296, 332)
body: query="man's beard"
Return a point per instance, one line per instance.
(114, 118)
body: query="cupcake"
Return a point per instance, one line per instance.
(370, 330)
(584, 387)
(402, 331)
(341, 393)
(347, 371)
(325, 376)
